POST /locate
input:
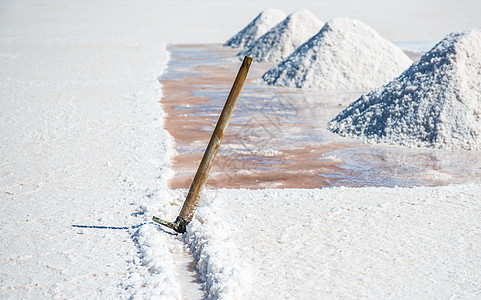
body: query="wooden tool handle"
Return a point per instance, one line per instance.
(200, 179)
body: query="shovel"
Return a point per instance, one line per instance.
(191, 201)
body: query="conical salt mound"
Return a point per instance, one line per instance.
(345, 54)
(435, 103)
(260, 25)
(281, 40)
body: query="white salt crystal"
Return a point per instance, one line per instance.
(345, 54)
(435, 103)
(281, 40)
(260, 25)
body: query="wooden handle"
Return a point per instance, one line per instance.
(200, 179)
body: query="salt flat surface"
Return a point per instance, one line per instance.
(333, 243)
(81, 148)
(84, 163)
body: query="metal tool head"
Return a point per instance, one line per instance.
(179, 225)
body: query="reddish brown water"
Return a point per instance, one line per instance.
(277, 138)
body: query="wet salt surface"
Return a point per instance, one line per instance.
(277, 138)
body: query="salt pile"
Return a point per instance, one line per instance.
(260, 25)
(435, 103)
(345, 54)
(281, 40)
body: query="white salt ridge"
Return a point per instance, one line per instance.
(435, 103)
(221, 269)
(281, 40)
(256, 28)
(345, 54)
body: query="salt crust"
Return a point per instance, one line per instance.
(345, 54)
(256, 28)
(222, 271)
(341, 243)
(435, 103)
(281, 40)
